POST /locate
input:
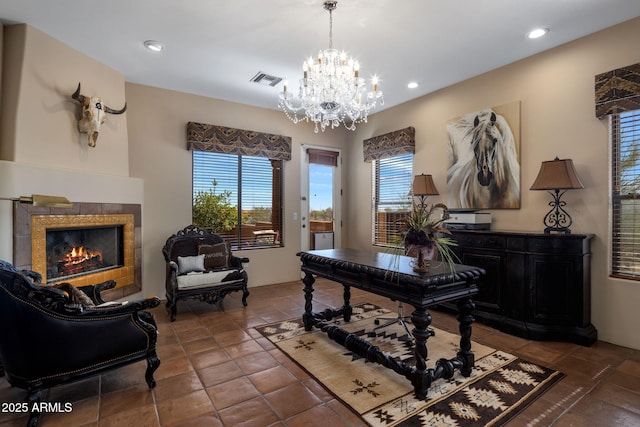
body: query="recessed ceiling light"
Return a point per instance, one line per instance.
(412, 85)
(538, 32)
(153, 45)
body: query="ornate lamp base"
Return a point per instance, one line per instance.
(557, 220)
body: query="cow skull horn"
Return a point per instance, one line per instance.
(76, 95)
(93, 115)
(112, 111)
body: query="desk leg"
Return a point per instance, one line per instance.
(465, 308)
(422, 377)
(346, 308)
(307, 317)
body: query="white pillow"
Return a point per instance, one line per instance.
(187, 264)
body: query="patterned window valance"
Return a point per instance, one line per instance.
(618, 91)
(220, 139)
(390, 144)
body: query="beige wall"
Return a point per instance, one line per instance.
(141, 156)
(39, 125)
(556, 94)
(157, 146)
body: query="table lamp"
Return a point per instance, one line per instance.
(556, 175)
(423, 186)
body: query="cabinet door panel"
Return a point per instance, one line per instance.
(555, 290)
(488, 297)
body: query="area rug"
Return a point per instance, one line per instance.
(500, 386)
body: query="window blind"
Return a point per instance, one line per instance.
(253, 187)
(625, 142)
(391, 185)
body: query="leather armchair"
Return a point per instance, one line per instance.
(48, 339)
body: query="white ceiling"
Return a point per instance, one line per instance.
(214, 47)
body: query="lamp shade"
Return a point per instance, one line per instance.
(423, 186)
(557, 174)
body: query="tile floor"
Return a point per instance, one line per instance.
(217, 370)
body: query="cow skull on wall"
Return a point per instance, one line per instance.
(93, 115)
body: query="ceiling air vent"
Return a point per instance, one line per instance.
(266, 79)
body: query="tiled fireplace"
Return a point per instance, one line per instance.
(86, 244)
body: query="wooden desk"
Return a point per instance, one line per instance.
(392, 276)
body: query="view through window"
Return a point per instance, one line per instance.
(392, 178)
(238, 197)
(625, 239)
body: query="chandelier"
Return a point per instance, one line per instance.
(331, 90)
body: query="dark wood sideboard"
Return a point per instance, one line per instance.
(537, 286)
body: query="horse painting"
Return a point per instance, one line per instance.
(484, 172)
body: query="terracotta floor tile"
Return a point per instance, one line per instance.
(208, 358)
(232, 392)
(617, 396)
(210, 419)
(139, 417)
(286, 407)
(171, 351)
(229, 338)
(169, 368)
(256, 362)
(193, 334)
(124, 400)
(319, 416)
(221, 373)
(272, 379)
(174, 411)
(254, 412)
(82, 412)
(125, 377)
(199, 345)
(604, 414)
(630, 367)
(244, 349)
(177, 385)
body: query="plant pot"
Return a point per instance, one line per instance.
(421, 255)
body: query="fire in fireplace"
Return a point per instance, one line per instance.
(74, 252)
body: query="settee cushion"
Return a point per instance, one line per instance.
(188, 264)
(216, 256)
(202, 280)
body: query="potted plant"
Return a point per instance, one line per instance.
(424, 236)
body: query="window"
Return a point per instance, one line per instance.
(391, 185)
(238, 197)
(625, 139)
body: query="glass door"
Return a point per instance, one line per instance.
(320, 211)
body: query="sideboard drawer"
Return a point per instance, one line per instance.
(480, 241)
(557, 245)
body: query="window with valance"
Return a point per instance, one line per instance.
(618, 97)
(391, 157)
(237, 183)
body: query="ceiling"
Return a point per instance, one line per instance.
(214, 47)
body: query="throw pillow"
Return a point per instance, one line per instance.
(188, 264)
(215, 256)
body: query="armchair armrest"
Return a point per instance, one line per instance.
(93, 291)
(237, 262)
(117, 310)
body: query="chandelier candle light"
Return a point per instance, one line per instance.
(331, 90)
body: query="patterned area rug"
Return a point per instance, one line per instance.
(500, 386)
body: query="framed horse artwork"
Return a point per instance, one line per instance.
(484, 164)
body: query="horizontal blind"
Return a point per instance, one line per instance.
(625, 137)
(250, 182)
(391, 185)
